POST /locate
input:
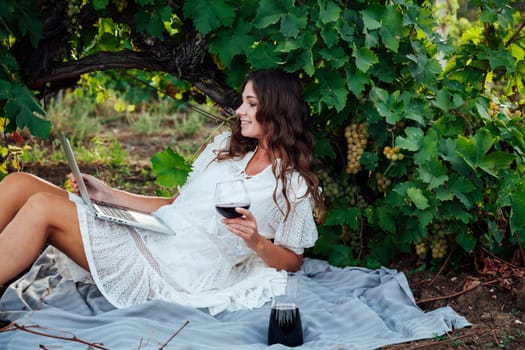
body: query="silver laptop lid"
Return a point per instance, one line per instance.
(75, 170)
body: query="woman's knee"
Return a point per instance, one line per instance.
(24, 185)
(39, 203)
(16, 179)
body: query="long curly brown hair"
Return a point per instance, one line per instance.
(284, 117)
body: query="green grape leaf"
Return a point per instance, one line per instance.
(371, 19)
(517, 52)
(460, 187)
(330, 35)
(263, 55)
(227, 48)
(209, 15)
(270, 12)
(501, 58)
(328, 11)
(323, 148)
(429, 148)
(466, 241)
(390, 39)
(356, 80)
(384, 248)
(517, 214)
(386, 217)
(30, 23)
(5, 89)
(341, 256)
(333, 90)
(345, 30)
(336, 56)
(326, 241)
(474, 152)
(388, 105)
(25, 109)
(292, 18)
(340, 216)
(413, 141)
(170, 168)
(418, 198)
(292, 23)
(364, 58)
(433, 173)
(100, 4)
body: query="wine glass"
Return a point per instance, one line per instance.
(228, 196)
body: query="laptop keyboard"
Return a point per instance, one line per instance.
(117, 212)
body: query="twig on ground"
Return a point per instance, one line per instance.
(442, 267)
(500, 259)
(453, 295)
(174, 335)
(73, 338)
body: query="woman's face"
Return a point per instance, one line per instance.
(247, 111)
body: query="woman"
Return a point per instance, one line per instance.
(269, 147)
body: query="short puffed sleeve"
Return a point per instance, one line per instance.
(298, 230)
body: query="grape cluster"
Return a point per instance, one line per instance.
(393, 154)
(120, 4)
(512, 113)
(383, 182)
(421, 249)
(439, 242)
(337, 188)
(73, 11)
(356, 136)
(493, 109)
(436, 242)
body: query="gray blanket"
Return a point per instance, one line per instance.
(350, 308)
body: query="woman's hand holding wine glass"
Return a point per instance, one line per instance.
(232, 202)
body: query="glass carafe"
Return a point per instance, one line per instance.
(284, 326)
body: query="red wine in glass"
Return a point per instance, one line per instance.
(230, 195)
(285, 325)
(228, 209)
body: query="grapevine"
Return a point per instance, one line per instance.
(356, 136)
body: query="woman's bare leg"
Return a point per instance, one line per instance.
(46, 216)
(15, 190)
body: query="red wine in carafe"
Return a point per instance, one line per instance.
(228, 209)
(285, 325)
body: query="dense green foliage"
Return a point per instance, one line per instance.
(435, 159)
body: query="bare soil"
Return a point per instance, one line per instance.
(489, 292)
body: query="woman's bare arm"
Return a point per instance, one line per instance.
(273, 255)
(100, 191)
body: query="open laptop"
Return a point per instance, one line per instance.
(124, 216)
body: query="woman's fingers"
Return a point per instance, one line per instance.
(244, 226)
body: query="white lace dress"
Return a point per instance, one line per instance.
(196, 266)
